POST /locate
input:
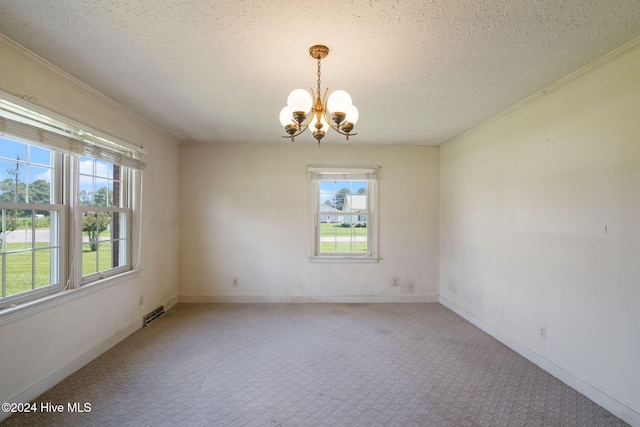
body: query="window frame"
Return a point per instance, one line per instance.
(30, 124)
(80, 209)
(61, 258)
(319, 173)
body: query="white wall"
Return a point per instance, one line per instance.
(246, 214)
(40, 349)
(540, 228)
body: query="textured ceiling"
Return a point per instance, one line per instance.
(420, 72)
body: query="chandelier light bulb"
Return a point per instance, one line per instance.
(286, 116)
(299, 100)
(352, 114)
(339, 102)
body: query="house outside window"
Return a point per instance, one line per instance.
(344, 214)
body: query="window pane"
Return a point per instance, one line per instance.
(86, 166)
(119, 225)
(12, 149)
(28, 247)
(119, 255)
(104, 169)
(103, 195)
(85, 194)
(40, 185)
(104, 226)
(14, 177)
(21, 238)
(105, 261)
(89, 259)
(40, 156)
(92, 226)
(43, 268)
(104, 241)
(18, 267)
(349, 236)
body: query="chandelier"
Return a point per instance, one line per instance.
(309, 110)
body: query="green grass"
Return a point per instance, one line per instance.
(25, 223)
(335, 230)
(343, 247)
(21, 278)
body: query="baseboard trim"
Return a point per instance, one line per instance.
(230, 299)
(46, 383)
(617, 406)
(171, 302)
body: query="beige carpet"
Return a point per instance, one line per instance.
(315, 365)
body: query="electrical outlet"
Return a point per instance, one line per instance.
(394, 282)
(141, 300)
(543, 332)
(235, 281)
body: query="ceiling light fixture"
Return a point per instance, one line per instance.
(336, 112)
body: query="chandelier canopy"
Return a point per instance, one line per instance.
(310, 110)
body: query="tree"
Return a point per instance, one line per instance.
(94, 224)
(8, 191)
(11, 221)
(103, 197)
(362, 190)
(84, 197)
(40, 191)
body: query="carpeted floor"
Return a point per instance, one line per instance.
(314, 365)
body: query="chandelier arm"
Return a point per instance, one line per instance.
(303, 128)
(334, 126)
(313, 98)
(324, 100)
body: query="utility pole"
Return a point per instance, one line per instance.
(15, 172)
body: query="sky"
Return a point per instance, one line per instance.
(36, 163)
(39, 159)
(329, 189)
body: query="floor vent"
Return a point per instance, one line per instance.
(151, 317)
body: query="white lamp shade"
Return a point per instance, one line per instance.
(339, 102)
(299, 100)
(352, 114)
(286, 116)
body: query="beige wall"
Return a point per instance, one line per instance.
(540, 228)
(246, 214)
(36, 349)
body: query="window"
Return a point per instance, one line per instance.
(68, 203)
(344, 214)
(104, 207)
(30, 244)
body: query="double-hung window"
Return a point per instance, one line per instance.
(69, 203)
(33, 219)
(344, 214)
(105, 217)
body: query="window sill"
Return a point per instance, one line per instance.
(26, 309)
(343, 260)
